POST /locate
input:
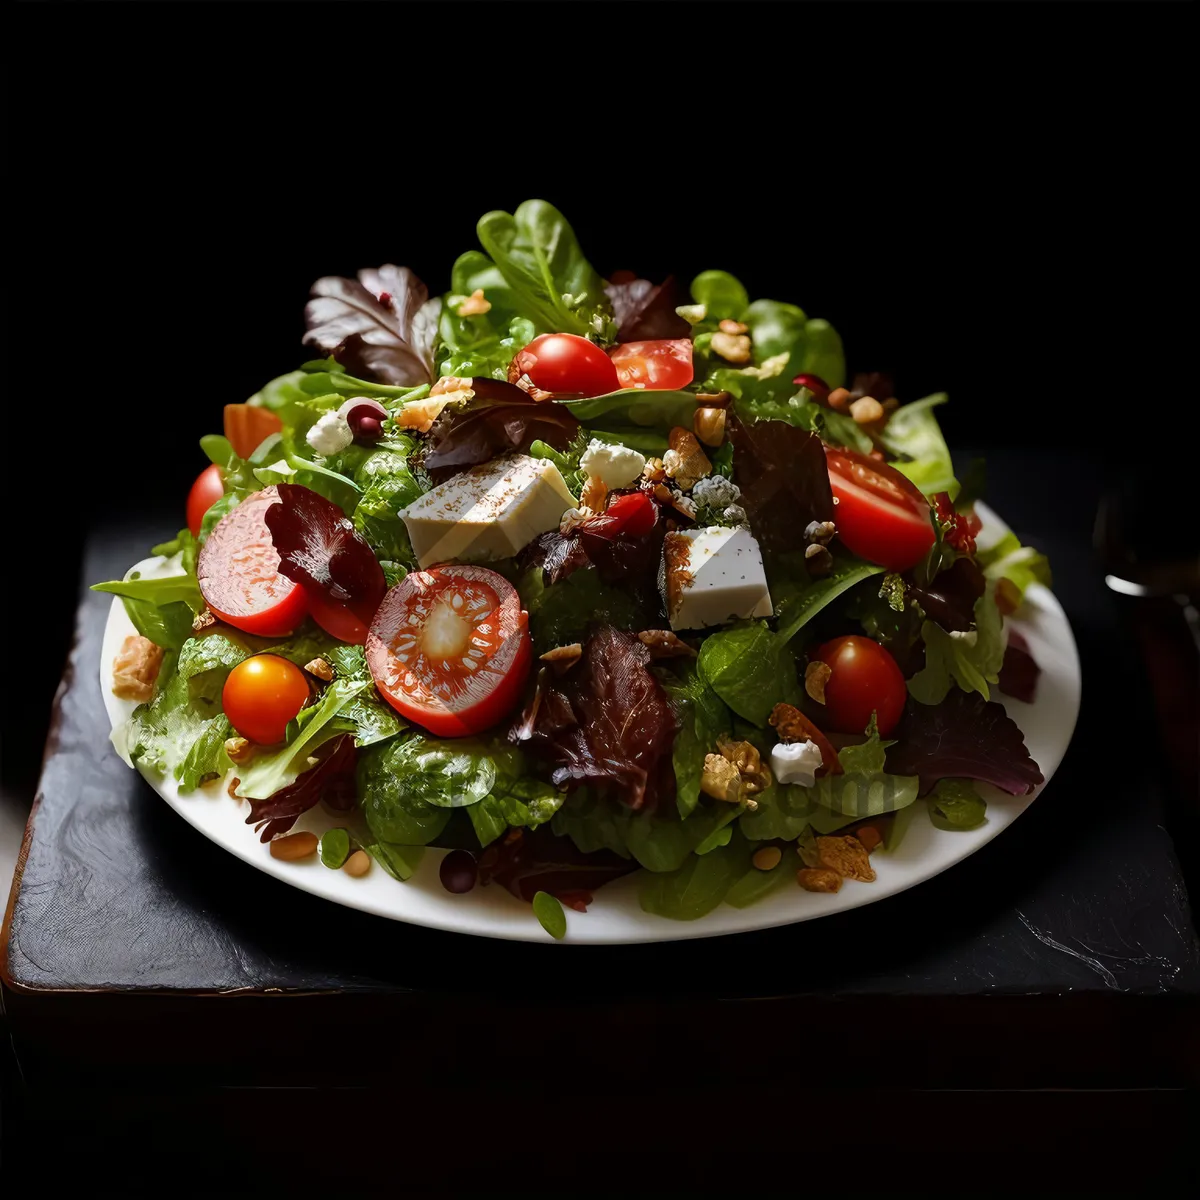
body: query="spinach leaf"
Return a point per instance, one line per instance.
(639, 407)
(865, 789)
(662, 843)
(560, 613)
(750, 668)
(549, 911)
(755, 884)
(955, 804)
(399, 861)
(796, 612)
(703, 717)
(552, 282)
(696, 887)
(723, 296)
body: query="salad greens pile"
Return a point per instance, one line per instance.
(638, 748)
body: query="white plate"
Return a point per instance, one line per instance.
(615, 916)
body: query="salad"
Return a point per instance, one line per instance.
(575, 577)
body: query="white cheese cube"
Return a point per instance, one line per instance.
(614, 465)
(714, 576)
(796, 762)
(491, 511)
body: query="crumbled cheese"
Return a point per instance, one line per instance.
(716, 491)
(796, 762)
(330, 435)
(614, 465)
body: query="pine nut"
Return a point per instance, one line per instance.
(768, 858)
(294, 846)
(358, 864)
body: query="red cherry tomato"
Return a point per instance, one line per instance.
(238, 572)
(633, 513)
(864, 679)
(664, 364)
(880, 515)
(206, 491)
(562, 362)
(449, 648)
(262, 695)
(346, 623)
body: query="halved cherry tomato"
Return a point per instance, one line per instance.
(864, 679)
(262, 694)
(633, 513)
(562, 362)
(247, 426)
(449, 648)
(205, 492)
(238, 572)
(664, 364)
(880, 515)
(345, 622)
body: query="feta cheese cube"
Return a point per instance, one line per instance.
(796, 762)
(491, 511)
(714, 575)
(614, 465)
(330, 435)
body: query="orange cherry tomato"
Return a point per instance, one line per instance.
(262, 694)
(247, 426)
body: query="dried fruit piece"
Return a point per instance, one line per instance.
(869, 836)
(135, 668)
(816, 676)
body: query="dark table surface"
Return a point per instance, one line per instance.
(1080, 906)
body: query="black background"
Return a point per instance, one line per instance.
(985, 199)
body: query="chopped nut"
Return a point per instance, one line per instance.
(720, 779)
(709, 425)
(450, 383)
(756, 775)
(421, 414)
(562, 658)
(847, 856)
(732, 347)
(204, 619)
(685, 462)
(768, 858)
(320, 668)
(475, 305)
(818, 560)
(870, 837)
(136, 668)
(239, 749)
(839, 399)
(728, 326)
(662, 643)
(816, 676)
(594, 493)
(820, 531)
(654, 471)
(866, 410)
(818, 879)
(714, 399)
(234, 784)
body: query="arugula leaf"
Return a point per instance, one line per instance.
(971, 660)
(551, 280)
(703, 717)
(750, 668)
(955, 804)
(913, 435)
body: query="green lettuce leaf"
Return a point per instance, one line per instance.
(865, 789)
(913, 434)
(723, 296)
(1008, 559)
(703, 717)
(799, 609)
(750, 668)
(955, 804)
(638, 407)
(970, 660)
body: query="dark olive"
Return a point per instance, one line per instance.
(369, 429)
(458, 872)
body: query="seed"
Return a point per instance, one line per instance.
(358, 864)
(294, 846)
(768, 858)
(458, 872)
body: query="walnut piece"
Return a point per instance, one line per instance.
(203, 620)
(685, 462)
(816, 676)
(663, 643)
(475, 305)
(136, 668)
(239, 749)
(848, 856)
(790, 723)
(709, 425)
(320, 668)
(839, 399)
(720, 780)
(818, 879)
(594, 493)
(728, 326)
(732, 347)
(866, 410)
(756, 775)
